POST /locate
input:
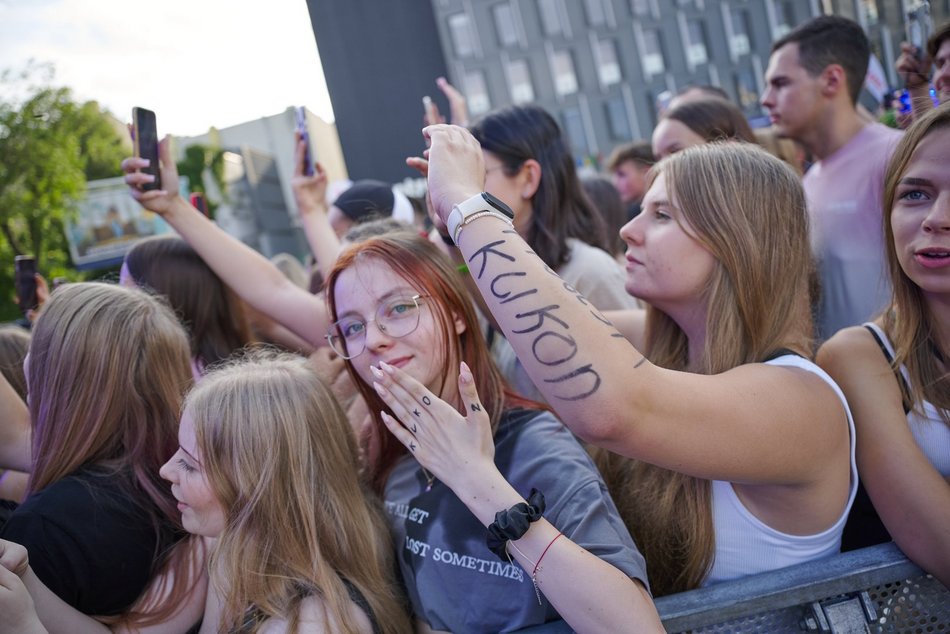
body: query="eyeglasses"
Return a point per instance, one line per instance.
(396, 318)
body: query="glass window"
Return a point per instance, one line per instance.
(608, 66)
(596, 12)
(461, 30)
(785, 19)
(741, 33)
(505, 24)
(746, 89)
(574, 126)
(550, 17)
(562, 67)
(696, 42)
(519, 81)
(476, 92)
(653, 62)
(640, 7)
(617, 121)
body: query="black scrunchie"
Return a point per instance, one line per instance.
(514, 523)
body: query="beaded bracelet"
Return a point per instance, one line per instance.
(513, 523)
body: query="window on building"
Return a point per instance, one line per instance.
(596, 12)
(785, 18)
(463, 39)
(652, 54)
(741, 33)
(640, 7)
(696, 42)
(747, 91)
(562, 68)
(519, 81)
(551, 17)
(608, 65)
(574, 126)
(505, 24)
(617, 121)
(476, 92)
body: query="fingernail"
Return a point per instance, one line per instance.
(465, 373)
(376, 372)
(386, 367)
(379, 389)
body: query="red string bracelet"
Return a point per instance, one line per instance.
(537, 566)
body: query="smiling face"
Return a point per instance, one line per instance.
(666, 265)
(792, 95)
(941, 78)
(201, 512)
(920, 215)
(359, 292)
(671, 136)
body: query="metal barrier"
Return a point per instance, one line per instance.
(875, 589)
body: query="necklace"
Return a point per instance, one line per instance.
(430, 479)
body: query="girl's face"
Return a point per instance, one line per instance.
(666, 265)
(201, 512)
(370, 290)
(671, 136)
(920, 217)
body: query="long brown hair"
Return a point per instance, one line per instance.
(748, 209)
(282, 461)
(429, 271)
(108, 371)
(908, 321)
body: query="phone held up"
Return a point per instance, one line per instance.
(25, 282)
(918, 25)
(145, 140)
(301, 113)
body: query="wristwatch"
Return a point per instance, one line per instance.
(483, 204)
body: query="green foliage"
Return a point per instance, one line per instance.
(50, 145)
(199, 158)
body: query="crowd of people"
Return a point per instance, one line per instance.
(501, 419)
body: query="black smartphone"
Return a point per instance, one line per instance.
(25, 282)
(302, 129)
(145, 140)
(199, 202)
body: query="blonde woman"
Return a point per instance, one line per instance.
(895, 370)
(266, 467)
(745, 447)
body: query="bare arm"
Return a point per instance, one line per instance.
(15, 428)
(310, 193)
(247, 272)
(588, 592)
(909, 494)
(755, 424)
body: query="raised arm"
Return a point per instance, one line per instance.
(14, 430)
(247, 272)
(310, 192)
(589, 593)
(913, 66)
(756, 423)
(909, 494)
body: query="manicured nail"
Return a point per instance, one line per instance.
(380, 389)
(465, 373)
(376, 372)
(387, 368)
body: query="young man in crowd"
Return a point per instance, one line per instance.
(814, 77)
(629, 164)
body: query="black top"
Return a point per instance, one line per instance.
(90, 541)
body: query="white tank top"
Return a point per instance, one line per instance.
(927, 426)
(745, 545)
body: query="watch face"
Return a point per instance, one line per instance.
(499, 205)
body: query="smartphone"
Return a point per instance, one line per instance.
(302, 129)
(25, 282)
(918, 26)
(199, 202)
(432, 115)
(145, 140)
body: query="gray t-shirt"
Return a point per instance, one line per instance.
(454, 582)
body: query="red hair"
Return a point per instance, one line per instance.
(430, 272)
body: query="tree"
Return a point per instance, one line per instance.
(50, 145)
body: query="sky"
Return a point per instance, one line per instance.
(196, 63)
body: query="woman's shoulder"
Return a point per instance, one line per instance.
(854, 352)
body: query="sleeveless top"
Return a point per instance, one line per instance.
(745, 545)
(931, 434)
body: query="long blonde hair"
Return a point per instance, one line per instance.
(748, 209)
(281, 459)
(909, 322)
(108, 370)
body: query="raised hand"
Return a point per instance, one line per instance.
(309, 191)
(438, 436)
(456, 167)
(913, 66)
(157, 200)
